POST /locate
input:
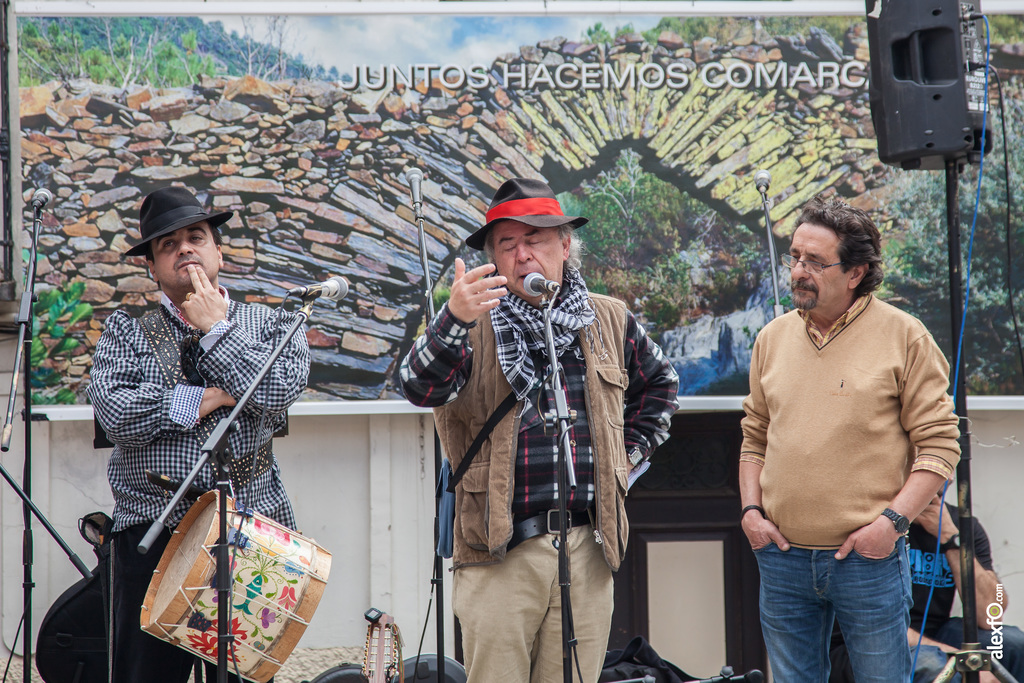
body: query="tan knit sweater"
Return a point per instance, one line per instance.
(838, 430)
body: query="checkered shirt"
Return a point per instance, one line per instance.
(134, 407)
(440, 363)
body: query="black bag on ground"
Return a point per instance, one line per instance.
(638, 659)
(72, 643)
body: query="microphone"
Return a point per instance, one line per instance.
(762, 179)
(41, 198)
(536, 284)
(333, 289)
(172, 485)
(414, 176)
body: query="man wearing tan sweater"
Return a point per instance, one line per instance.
(849, 432)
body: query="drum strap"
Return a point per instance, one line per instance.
(167, 350)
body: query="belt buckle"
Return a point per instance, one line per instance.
(556, 529)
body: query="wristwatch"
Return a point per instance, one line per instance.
(636, 456)
(901, 523)
(952, 544)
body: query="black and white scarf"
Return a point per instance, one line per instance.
(519, 330)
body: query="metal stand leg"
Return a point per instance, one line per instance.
(947, 671)
(970, 661)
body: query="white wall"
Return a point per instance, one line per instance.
(997, 476)
(362, 486)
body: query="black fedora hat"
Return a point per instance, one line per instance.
(527, 201)
(168, 209)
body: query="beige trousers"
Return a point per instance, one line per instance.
(511, 614)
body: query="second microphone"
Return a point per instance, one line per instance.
(333, 289)
(536, 284)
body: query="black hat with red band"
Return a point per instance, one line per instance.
(525, 200)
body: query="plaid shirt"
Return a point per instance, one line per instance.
(440, 363)
(822, 337)
(133, 405)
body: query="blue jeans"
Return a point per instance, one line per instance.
(931, 659)
(802, 591)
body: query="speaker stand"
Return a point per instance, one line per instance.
(970, 658)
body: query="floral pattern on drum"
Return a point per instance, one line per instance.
(277, 577)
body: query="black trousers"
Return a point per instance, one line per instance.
(137, 656)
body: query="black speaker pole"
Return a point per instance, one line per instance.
(438, 579)
(930, 113)
(963, 470)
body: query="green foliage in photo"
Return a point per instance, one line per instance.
(916, 256)
(158, 51)
(56, 312)
(724, 29)
(114, 51)
(667, 255)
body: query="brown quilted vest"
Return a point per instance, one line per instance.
(483, 499)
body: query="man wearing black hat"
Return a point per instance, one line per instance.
(487, 344)
(160, 384)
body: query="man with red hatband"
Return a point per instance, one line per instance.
(487, 344)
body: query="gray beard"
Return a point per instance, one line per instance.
(805, 304)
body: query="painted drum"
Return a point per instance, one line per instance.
(278, 577)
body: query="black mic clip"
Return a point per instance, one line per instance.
(551, 422)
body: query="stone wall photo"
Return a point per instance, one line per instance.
(314, 171)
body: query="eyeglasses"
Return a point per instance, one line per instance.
(190, 349)
(791, 262)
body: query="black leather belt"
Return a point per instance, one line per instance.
(544, 523)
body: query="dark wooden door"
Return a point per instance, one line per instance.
(691, 493)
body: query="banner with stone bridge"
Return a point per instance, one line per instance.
(651, 127)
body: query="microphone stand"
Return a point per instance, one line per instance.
(24, 350)
(428, 285)
(563, 418)
(729, 676)
(437, 580)
(216, 447)
(773, 257)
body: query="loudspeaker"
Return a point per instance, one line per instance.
(927, 87)
(343, 673)
(425, 670)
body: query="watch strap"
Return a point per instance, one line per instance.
(901, 523)
(743, 513)
(952, 544)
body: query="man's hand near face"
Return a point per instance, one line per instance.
(204, 307)
(474, 293)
